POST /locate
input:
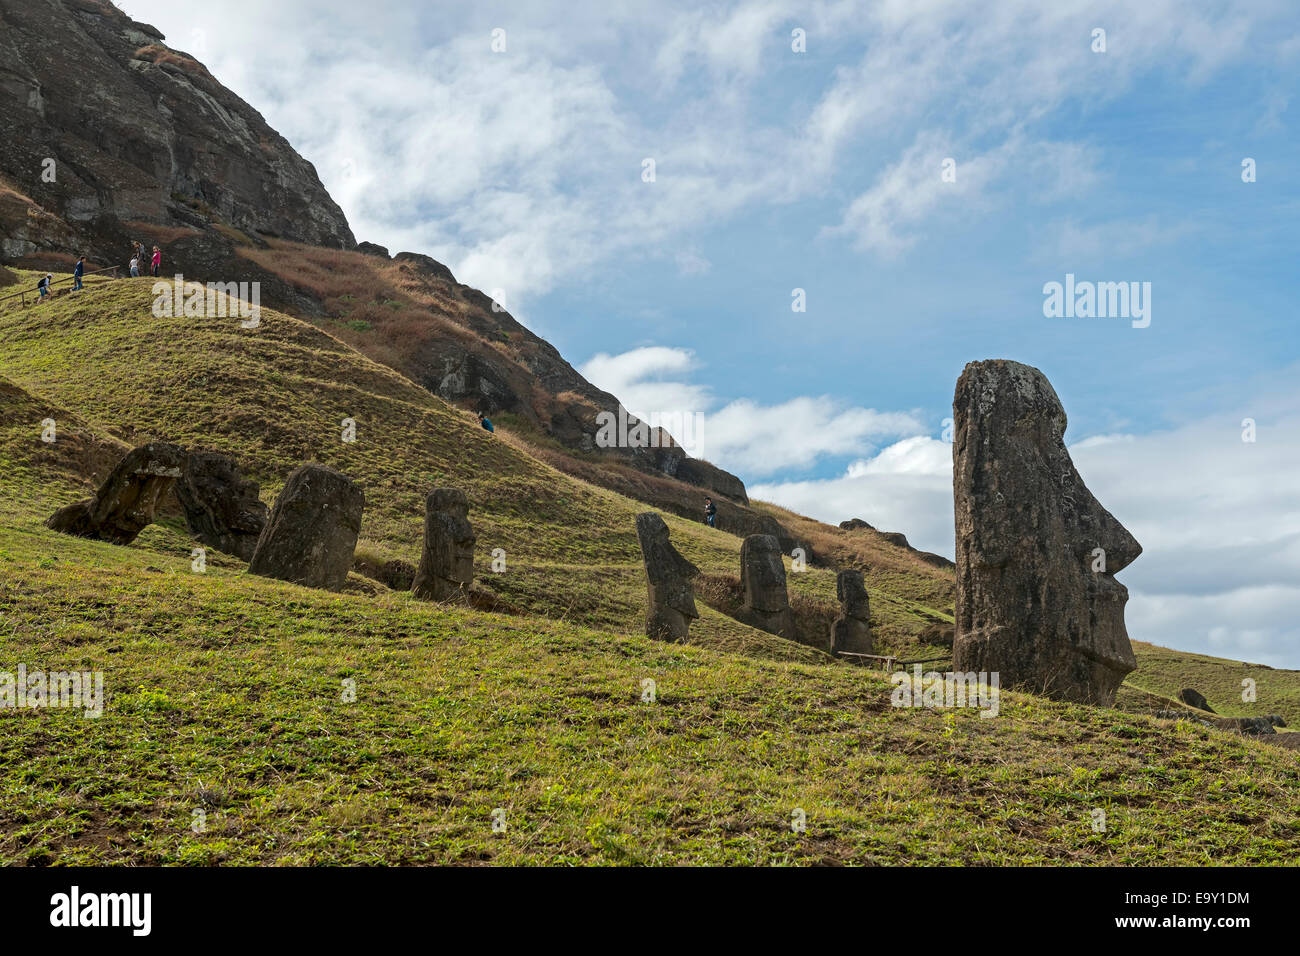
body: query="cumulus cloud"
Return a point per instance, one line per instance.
(742, 435)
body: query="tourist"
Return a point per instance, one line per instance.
(135, 267)
(485, 422)
(43, 287)
(710, 513)
(157, 260)
(77, 273)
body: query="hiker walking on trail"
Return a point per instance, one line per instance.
(43, 287)
(77, 273)
(710, 513)
(485, 422)
(157, 260)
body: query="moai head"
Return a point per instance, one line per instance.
(450, 535)
(762, 573)
(852, 593)
(669, 576)
(1037, 599)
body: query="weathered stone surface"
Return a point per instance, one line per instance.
(222, 508)
(851, 631)
(1029, 604)
(312, 532)
(127, 500)
(855, 524)
(669, 581)
(447, 564)
(1195, 699)
(762, 579)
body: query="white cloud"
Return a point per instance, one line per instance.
(742, 435)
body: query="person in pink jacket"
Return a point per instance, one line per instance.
(157, 260)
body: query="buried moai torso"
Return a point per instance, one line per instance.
(669, 581)
(126, 502)
(447, 564)
(1037, 600)
(762, 579)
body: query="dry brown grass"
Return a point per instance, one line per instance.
(158, 54)
(160, 233)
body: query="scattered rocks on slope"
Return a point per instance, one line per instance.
(851, 631)
(1192, 698)
(222, 508)
(447, 563)
(669, 581)
(312, 532)
(762, 578)
(1030, 605)
(127, 500)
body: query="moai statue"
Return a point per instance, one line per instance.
(127, 500)
(762, 576)
(447, 564)
(1037, 599)
(312, 532)
(851, 631)
(222, 507)
(669, 581)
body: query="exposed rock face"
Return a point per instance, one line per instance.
(851, 631)
(222, 508)
(313, 529)
(142, 132)
(762, 578)
(855, 524)
(669, 581)
(127, 500)
(447, 564)
(1195, 699)
(1029, 604)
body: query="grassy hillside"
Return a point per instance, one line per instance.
(225, 690)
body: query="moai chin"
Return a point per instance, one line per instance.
(1037, 600)
(669, 581)
(447, 564)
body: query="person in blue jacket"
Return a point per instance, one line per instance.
(77, 273)
(485, 422)
(710, 513)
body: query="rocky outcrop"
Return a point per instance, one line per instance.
(312, 532)
(851, 631)
(222, 508)
(1037, 600)
(855, 524)
(1193, 698)
(139, 131)
(762, 580)
(447, 564)
(127, 500)
(669, 581)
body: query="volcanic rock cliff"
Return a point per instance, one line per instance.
(112, 137)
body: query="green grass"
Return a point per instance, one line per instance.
(225, 690)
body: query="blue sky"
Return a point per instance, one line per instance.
(522, 169)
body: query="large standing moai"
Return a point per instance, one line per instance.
(669, 581)
(1037, 600)
(312, 532)
(127, 500)
(447, 564)
(851, 631)
(762, 577)
(222, 508)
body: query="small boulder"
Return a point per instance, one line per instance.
(312, 532)
(127, 500)
(1194, 699)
